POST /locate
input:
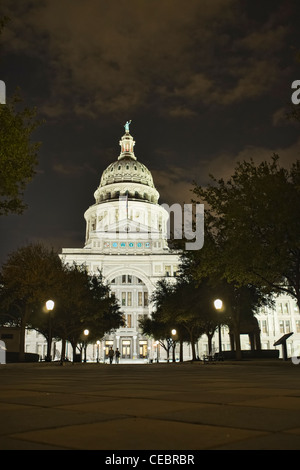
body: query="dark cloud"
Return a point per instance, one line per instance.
(205, 82)
(108, 57)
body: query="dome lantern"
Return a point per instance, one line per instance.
(126, 176)
(127, 143)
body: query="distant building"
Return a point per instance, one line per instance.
(126, 239)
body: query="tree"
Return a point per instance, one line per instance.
(83, 302)
(32, 275)
(159, 330)
(29, 278)
(95, 309)
(18, 154)
(185, 306)
(205, 269)
(253, 219)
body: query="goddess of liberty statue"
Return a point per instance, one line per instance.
(127, 126)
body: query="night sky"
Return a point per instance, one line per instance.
(206, 83)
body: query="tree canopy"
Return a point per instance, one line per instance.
(32, 275)
(253, 219)
(18, 153)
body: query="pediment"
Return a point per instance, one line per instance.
(128, 225)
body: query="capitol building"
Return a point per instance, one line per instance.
(126, 239)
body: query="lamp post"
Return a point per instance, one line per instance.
(174, 333)
(86, 333)
(98, 346)
(157, 351)
(49, 307)
(218, 306)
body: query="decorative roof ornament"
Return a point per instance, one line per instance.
(127, 126)
(127, 143)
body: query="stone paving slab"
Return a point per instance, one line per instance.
(232, 406)
(138, 434)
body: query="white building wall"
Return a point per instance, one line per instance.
(129, 237)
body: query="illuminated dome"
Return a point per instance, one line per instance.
(126, 170)
(126, 176)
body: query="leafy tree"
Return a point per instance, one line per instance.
(204, 269)
(28, 279)
(187, 307)
(83, 302)
(159, 330)
(87, 303)
(253, 219)
(18, 154)
(32, 275)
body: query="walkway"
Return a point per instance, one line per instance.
(247, 405)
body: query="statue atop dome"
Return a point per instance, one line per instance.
(127, 126)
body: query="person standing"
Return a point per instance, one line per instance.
(111, 353)
(117, 354)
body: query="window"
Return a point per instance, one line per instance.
(129, 299)
(129, 321)
(140, 318)
(145, 299)
(143, 349)
(168, 270)
(126, 348)
(297, 326)
(123, 299)
(286, 308)
(140, 299)
(264, 326)
(281, 326)
(287, 326)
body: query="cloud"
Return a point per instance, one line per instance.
(175, 183)
(72, 170)
(108, 58)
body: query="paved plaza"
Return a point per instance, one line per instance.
(189, 406)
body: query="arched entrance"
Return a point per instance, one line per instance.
(133, 295)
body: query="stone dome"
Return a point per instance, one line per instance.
(126, 176)
(127, 170)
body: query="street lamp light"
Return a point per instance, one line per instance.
(218, 306)
(86, 333)
(49, 307)
(174, 333)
